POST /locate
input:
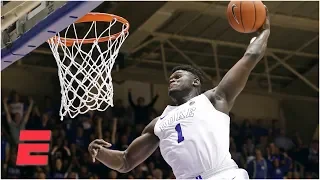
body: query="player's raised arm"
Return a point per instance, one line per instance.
(124, 161)
(236, 78)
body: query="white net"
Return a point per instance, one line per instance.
(85, 72)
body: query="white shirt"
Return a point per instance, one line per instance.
(16, 108)
(194, 138)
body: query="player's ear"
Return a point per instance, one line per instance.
(196, 82)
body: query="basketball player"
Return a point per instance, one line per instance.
(193, 136)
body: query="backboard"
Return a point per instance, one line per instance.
(25, 25)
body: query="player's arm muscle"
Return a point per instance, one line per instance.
(236, 78)
(137, 152)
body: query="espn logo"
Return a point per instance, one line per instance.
(28, 153)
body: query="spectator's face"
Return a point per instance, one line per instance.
(17, 118)
(16, 97)
(113, 175)
(139, 169)
(130, 177)
(151, 166)
(84, 170)
(79, 132)
(42, 175)
(34, 110)
(272, 148)
(157, 174)
(276, 163)
(73, 148)
(149, 177)
(38, 169)
(94, 177)
(72, 175)
(45, 118)
(58, 164)
(258, 154)
(140, 101)
(59, 142)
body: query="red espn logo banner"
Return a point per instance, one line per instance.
(25, 148)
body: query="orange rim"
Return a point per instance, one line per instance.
(99, 17)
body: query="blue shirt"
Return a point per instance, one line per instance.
(277, 173)
(258, 169)
(4, 145)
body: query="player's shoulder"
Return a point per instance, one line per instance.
(213, 96)
(217, 100)
(150, 127)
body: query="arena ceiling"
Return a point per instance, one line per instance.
(165, 34)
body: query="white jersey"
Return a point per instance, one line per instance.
(194, 138)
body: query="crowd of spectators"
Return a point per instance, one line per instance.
(266, 152)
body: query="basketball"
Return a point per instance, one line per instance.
(246, 16)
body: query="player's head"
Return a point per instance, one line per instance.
(183, 80)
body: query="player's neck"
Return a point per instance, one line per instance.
(181, 99)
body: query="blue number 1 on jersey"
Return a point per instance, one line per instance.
(179, 131)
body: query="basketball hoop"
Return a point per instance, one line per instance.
(85, 73)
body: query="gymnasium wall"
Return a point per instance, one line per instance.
(299, 115)
(302, 116)
(247, 105)
(29, 81)
(32, 81)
